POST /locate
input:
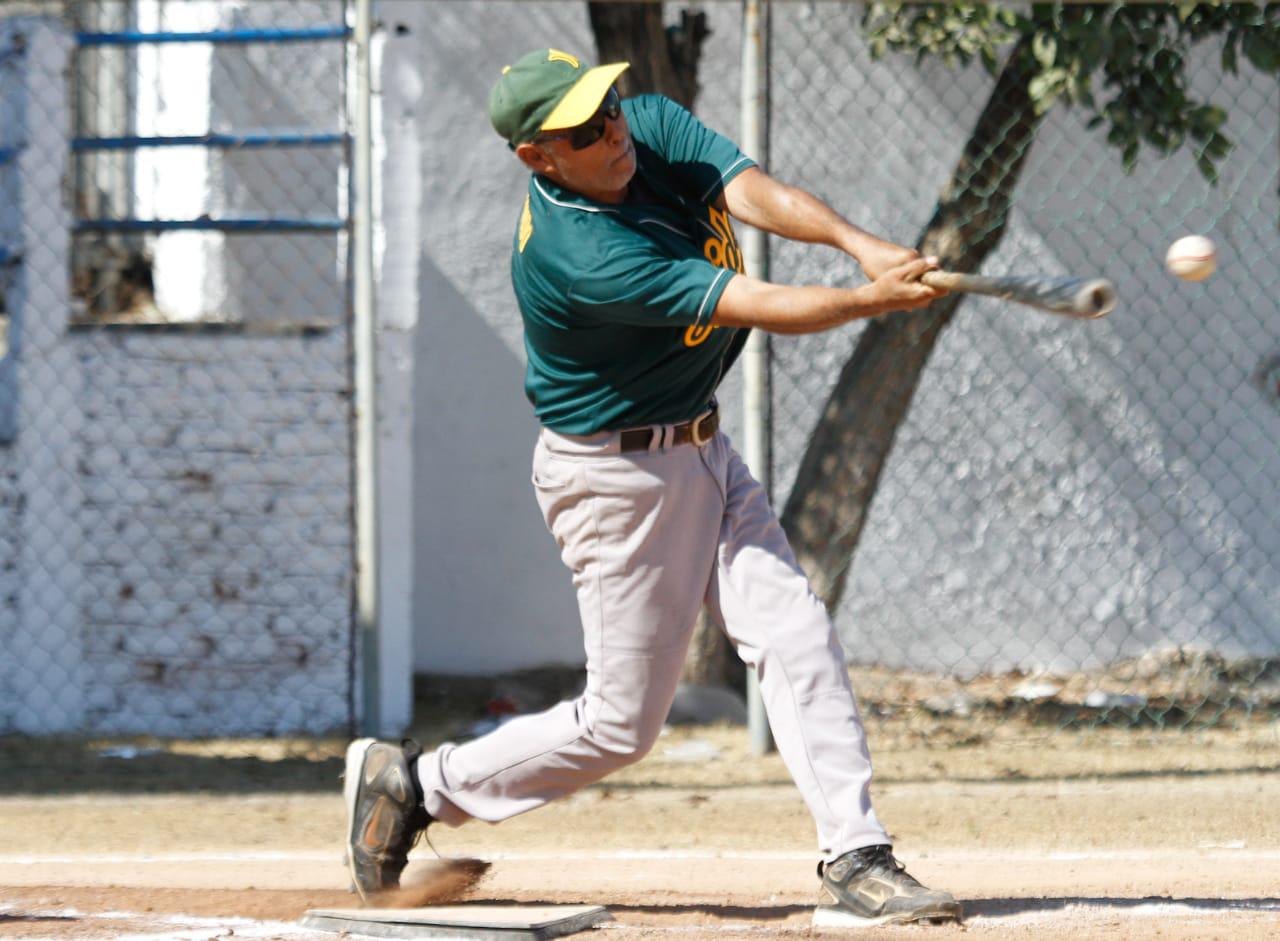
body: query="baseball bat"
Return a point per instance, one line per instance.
(1081, 298)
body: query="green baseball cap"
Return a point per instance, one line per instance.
(548, 90)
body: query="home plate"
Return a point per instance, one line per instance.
(485, 922)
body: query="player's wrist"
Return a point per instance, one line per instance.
(852, 241)
(869, 300)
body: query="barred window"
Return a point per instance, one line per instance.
(210, 162)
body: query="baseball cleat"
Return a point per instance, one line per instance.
(868, 887)
(385, 816)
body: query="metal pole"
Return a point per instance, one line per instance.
(755, 356)
(364, 341)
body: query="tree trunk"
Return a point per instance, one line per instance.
(666, 61)
(662, 60)
(845, 456)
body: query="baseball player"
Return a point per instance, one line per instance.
(630, 283)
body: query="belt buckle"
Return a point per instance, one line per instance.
(695, 429)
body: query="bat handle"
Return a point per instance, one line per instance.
(943, 280)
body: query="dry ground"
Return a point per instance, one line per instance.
(1044, 833)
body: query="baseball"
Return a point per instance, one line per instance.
(1192, 258)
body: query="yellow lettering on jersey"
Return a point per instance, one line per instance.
(696, 334)
(723, 252)
(526, 225)
(555, 55)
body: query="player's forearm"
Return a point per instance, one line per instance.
(748, 302)
(761, 201)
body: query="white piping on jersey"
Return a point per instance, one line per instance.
(613, 212)
(720, 182)
(703, 305)
(551, 199)
(706, 225)
(669, 228)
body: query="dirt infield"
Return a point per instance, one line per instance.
(725, 898)
(1099, 834)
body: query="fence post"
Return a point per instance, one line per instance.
(364, 341)
(755, 252)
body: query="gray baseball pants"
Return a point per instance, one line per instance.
(648, 537)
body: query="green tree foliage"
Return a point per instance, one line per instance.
(1125, 62)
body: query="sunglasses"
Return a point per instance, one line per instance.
(591, 130)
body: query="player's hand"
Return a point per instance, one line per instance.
(900, 287)
(879, 257)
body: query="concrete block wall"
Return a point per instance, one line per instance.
(216, 503)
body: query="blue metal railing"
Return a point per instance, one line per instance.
(261, 225)
(213, 140)
(131, 38)
(228, 141)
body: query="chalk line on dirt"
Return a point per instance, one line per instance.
(176, 927)
(655, 855)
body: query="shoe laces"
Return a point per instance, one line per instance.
(397, 854)
(881, 855)
(870, 857)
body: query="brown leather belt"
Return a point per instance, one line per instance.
(698, 431)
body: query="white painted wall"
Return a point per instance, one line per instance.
(489, 590)
(1061, 495)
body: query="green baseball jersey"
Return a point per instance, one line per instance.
(617, 299)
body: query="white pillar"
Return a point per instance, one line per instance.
(755, 252)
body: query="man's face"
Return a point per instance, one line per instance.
(599, 170)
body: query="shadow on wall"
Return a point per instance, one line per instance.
(490, 592)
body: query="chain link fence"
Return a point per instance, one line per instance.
(1076, 521)
(175, 507)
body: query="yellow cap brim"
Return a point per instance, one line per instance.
(583, 99)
